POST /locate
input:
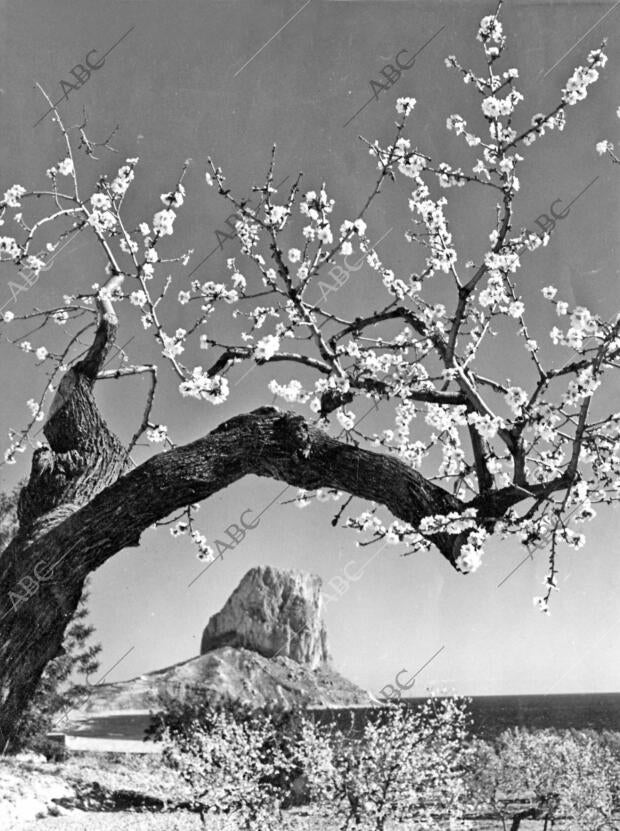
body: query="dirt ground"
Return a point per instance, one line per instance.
(28, 788)
(187, 822)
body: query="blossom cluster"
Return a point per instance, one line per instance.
(202, 385)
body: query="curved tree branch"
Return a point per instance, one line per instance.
(265, 442)
(44, 570)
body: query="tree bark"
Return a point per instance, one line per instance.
(82, 457)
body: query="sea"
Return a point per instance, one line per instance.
(491, 714)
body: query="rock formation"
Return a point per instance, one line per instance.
(268, 645)
(274, 613)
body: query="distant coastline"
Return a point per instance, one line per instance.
(492, 714)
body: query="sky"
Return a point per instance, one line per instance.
(187, 80)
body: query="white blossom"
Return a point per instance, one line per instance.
(200, 385)
(65, 167)
(163, 222)
(267, 347)
(35, 409)
(157, 434)
(138, 298)
(405, 106)
(13, 195)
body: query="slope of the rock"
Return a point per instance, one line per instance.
(235, 673)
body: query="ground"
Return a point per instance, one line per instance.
(27, 788)
(186, 822)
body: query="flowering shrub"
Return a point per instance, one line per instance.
(235, 761)
(241, 761)
(407, 765)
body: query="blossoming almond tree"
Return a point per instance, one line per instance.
(407, 766)
(469, 454)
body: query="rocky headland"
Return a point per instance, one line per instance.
(267, 645)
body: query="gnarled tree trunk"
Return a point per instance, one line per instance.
(81, 506)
